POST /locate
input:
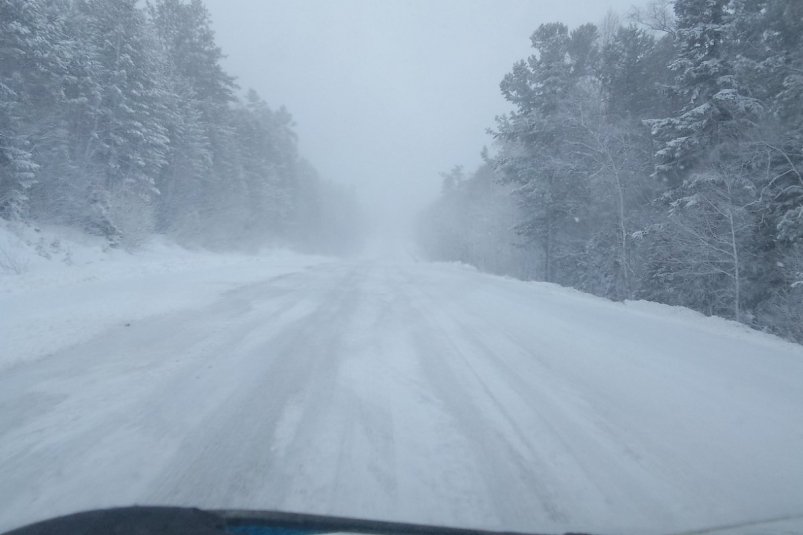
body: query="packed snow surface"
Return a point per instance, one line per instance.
(388, 389)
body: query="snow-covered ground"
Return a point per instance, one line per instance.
(387, 389)
(59, 289)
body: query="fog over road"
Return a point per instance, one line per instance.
(411, 391)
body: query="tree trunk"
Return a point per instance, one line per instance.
(736, 275)
(548, 247)
(622, 231)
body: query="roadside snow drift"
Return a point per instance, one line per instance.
(56, 291)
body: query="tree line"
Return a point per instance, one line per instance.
(117, 117)
(658, 159)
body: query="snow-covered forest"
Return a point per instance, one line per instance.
(592, 325)
(117, 118)
(657, 156)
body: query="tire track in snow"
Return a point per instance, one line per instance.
(521, 476)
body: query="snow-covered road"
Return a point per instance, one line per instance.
(417, 392)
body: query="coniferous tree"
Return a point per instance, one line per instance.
(125, 143)
(33, 63)
(701, 207)
(534, 153)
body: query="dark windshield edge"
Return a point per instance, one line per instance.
(159, 520)
(738, 525)
(354, 525)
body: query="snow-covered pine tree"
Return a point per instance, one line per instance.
(768, 37)
(23, 46)
(700, 157)
(714, 113)
(766, 41)
(125, 142)
(534, 153)
(202, 173)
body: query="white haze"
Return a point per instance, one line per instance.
(387, 93)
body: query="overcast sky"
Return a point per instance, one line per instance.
(388, 93)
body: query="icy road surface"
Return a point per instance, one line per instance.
(406, 391)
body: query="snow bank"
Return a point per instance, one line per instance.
(59, 288)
